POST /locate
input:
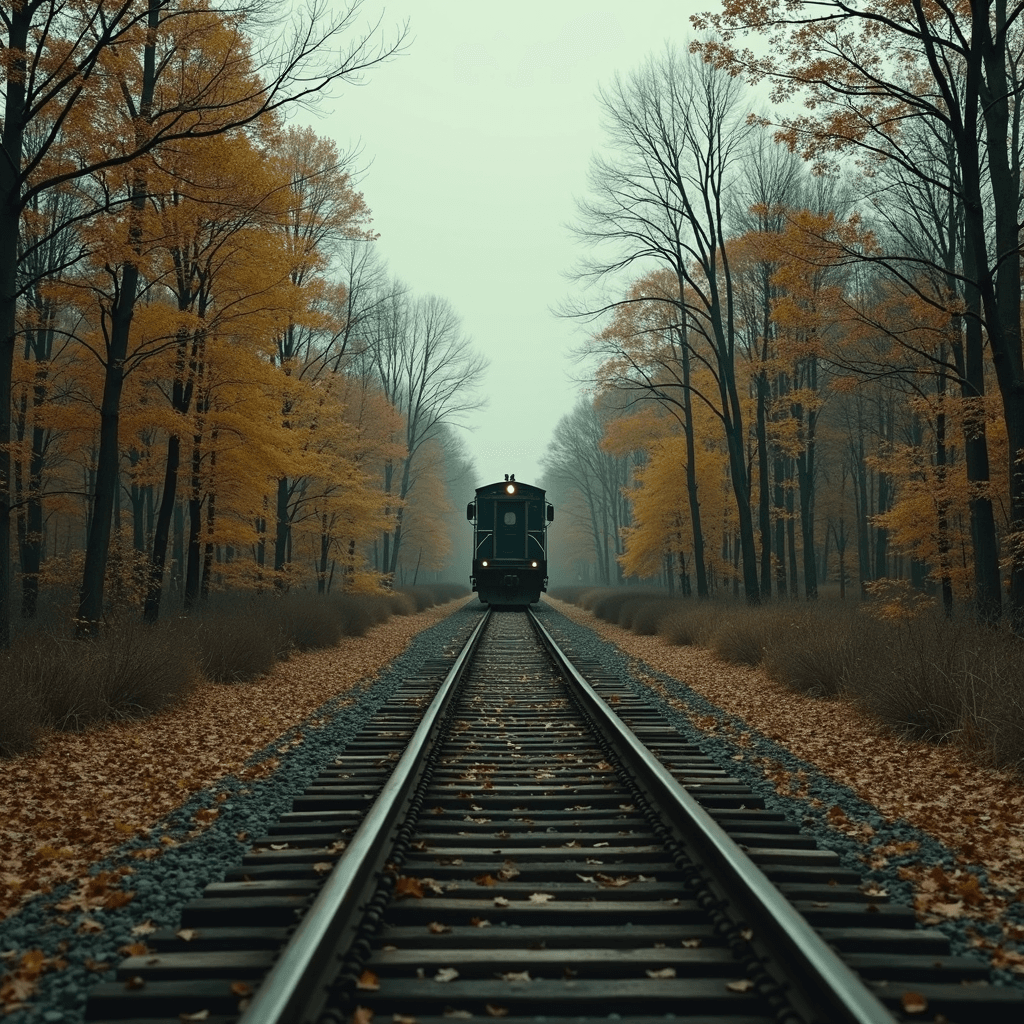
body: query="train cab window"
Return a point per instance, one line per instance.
(510, 519)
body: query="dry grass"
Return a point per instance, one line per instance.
(925, 677)
(50, 680)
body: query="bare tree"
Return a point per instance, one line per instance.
(575, 455)
(678, 132)
(427, 369)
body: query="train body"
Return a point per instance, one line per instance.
(510, 555)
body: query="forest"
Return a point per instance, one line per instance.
(804, 315)
(209, 380)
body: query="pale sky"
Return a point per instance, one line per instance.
(480, 136)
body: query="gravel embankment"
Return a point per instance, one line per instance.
(76, 928)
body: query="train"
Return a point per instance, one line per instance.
(510, 554)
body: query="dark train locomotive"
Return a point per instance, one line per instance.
(510, 555)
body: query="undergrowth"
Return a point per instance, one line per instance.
(925, 676)
(51, 680)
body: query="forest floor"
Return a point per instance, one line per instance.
(81, 795)
(974, 810)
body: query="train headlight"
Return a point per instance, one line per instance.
(484, 563)
(534, 564)
(511, 489)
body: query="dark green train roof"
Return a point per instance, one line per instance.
(499, 489)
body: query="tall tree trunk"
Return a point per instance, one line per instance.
(193, 559)
(90, 598)
(13, 135)
(970, 363)
(700, 570)
(155, 580)
(764, 510)
(282, 526)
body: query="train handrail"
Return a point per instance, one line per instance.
(295, 989)
(811, 967)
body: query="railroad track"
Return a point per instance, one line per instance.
(508, 839)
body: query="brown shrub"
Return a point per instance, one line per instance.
(20, 721)
(812, 647)
(129, 671)
(646, 614)
(690, 624)
(239, 640)
(402, 604)
(571, 595)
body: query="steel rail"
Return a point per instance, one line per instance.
(814, 976)
(294, 991)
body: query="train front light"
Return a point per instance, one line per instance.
(484, 563)
(511, 489)
(534, 564)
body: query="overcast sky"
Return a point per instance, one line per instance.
(480, 137)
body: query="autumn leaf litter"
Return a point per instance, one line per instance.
(104, 835)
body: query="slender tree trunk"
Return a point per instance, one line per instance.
(90, 599)
(764, 510)
(791, 528)
(699, 567)
(282, 524)
(155, 583)
(988, 595)
(195, 525)
(12, 139)
(90, 604)
(211, 518)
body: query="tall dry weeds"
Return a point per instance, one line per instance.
(50, 680)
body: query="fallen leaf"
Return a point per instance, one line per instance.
(145, 928)
(496, 1011)
(401, 1018)
(740, 986)
(407, 886)
(515, 976)
(135, 949)
(135, 983)
(479, 922)
(913, 1002)
(607, 882)
(361, 1015)
(436, 928)
(241, 988)
(321, 867)
(485, 880)
(446, 974)
(198, 1015)
(540, 897)
(665, 972)
(500, 901)
(186, 934)
(368, 981)
(90, 927)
